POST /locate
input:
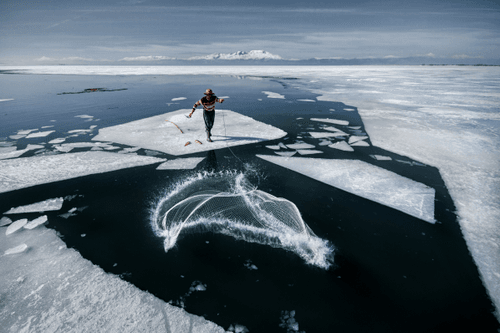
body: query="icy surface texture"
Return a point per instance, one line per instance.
(25, 172)
(50, 288)
(156, 133)
(367, 181)
(226, 203)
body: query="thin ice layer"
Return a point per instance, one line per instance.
(25, 172)
(156, 133)
(367, 181)
(51, 288)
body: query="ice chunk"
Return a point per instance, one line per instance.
(17, 249)
(381, 157)
(180, 163)
(273, 95)
(319, 135)
(15, 226)
(355, 138)
(336, 130)
(6, 99)
(36, 222)
(58, 140)
(300, 145)
(39, 134)
(367, 181)
(84, 116)
(286, 153)
(341, 145)
(306, 100)
(5, 221)
(42, 206)
(274, 147)
(30, 171)
(361, 144)
(178, 99)
(309, 151)
(156, 134)
(331, 121)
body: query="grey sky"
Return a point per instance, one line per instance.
(96, 31)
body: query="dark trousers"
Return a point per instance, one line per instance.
(209, 117)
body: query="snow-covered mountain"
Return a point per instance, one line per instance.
(240, 55)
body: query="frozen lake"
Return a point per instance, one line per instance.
(332, 199)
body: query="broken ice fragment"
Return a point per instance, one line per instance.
(39, 134)
(341, 145)
(331, 121)
(17, 249)
(381, 158)
(5, 221)
(15, 226)
(300, 145)
(43, 206)
(36, 222)
(355, 138)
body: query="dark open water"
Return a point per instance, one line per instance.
(392, 272)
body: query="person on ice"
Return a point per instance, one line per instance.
(208, 103)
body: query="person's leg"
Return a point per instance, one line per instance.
(209, 117)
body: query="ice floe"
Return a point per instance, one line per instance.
(354, 138)
(271, 94)
(39, 134)
(171, 137)
(178, 99)
(300, 145)
(331, 121)
(367, 181)
(5, 221)
(341, 145)
(55, 287)
(381, 157)
(38, 207)
(30, 171)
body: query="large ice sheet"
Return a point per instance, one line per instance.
(51, 288)
(30, 171)
(367, 181)
(155, 133)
